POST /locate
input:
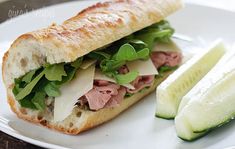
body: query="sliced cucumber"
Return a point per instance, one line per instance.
(184, 130)
(171, 91)
(211, 105)
(222, 64)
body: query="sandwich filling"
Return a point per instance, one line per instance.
(109, 74)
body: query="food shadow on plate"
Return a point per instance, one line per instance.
(212, 138)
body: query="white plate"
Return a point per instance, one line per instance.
(137, 127)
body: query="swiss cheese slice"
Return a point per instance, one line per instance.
(101, 76)
(144, 67)
(170, 46)
(72, 91)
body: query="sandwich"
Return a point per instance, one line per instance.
(84, 72)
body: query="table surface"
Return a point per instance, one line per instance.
(8, 142)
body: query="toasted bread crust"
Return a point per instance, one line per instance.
(89, 119)
(92, 28)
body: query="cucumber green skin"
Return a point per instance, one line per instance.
(214, 127)
(196, 138)
(164, 117)
(206, 131)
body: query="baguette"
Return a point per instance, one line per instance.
(98, 25)
(79, 120)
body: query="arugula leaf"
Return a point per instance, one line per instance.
(150, 37)
(70, 74)
(28, 77)
(55, 72)
(164, 24)
(39, 87)
(137, 44)
(27, 103)
(99, 55)
(166, 68)
(126, 78)
(161, 31)
(144, 89)
(52, 90)
(126, 53)
(76, 64)
(39, 100)
(16, 89)
(111, 65)
(17, 80)
(129, 95)
(29, 87)
(143, 54)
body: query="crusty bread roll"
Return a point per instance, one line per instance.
(92, 28)
(80, 120)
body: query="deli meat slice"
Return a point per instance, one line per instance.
(141, 82)
(116, 100)
(101, 82)
(123, 70)
(96, 99)
(111, 89)
(104, 94)
(168, 58)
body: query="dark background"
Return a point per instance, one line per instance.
(23, 6)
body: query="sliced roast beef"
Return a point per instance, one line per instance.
(141, 82)
(104, 94)
(116, 100)
(168, 58)
(123, 70)
(97, 100)
(101, 82)
(111, 89)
